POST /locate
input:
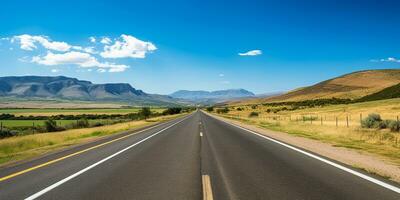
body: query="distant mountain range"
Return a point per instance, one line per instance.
(61, 87)
(201, 96)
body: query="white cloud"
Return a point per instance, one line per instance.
(92, 39)
(251, 53)
(221, 75)
(128, 47)
(28, 42)
(105, 40)
(389, 59)
(90, 50)
(77, 58)
(55, 70)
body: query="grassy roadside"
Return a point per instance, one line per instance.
(376, 142)
(24, 147)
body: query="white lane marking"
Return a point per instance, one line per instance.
(361, 175)
(49, 188)
(207, 191)
(201, 134)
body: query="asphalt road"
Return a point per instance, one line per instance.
(184, 159)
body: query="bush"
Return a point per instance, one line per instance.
(254, 107)
(253, 114)
(172, 111)
(82, 123)
(223, 110)
(372, 121)
(394, 125)
(97, 124)
(7, 133)
(239, 109)
(51, 125)
(210, 109)
(145, 112)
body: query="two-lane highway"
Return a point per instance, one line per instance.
(193, 157)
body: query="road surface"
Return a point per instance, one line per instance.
(193, 157)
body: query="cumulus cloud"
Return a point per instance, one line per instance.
(128, 46)
(251, 53)
(221, 75)
(92, 39)
(105, 40)
(77, 58)
(29, 42)
(62, 53)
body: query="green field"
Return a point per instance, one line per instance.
(57, 111)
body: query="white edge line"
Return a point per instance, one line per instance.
(361, 175)
(49, 188)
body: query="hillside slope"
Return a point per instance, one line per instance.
(387, 93)
(353, 86)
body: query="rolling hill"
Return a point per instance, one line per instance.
(352, 86)
(61, 87)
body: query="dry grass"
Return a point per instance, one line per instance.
(353, 86)
(24, 147)
(379, 142)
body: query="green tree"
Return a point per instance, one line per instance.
(51, 125)
(145, 112)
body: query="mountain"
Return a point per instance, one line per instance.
(212, 97)
(61, 87)
(353, 86)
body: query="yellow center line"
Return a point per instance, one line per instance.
(70, 155)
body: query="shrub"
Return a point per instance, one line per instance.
(239, 109)
(51, 125)
(7, 133)
(97, 124)
(172, 111)
(210, 109)
(145, 112)
(82, 123)
(253, 114)
(372, 121)
(254, 107)
(223, 110)
(394, 125)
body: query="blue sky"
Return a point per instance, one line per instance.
(164, 46)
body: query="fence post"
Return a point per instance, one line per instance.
(347, 121)
(336, 121)
(311, 118)
(33, 127)
(360, 119)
